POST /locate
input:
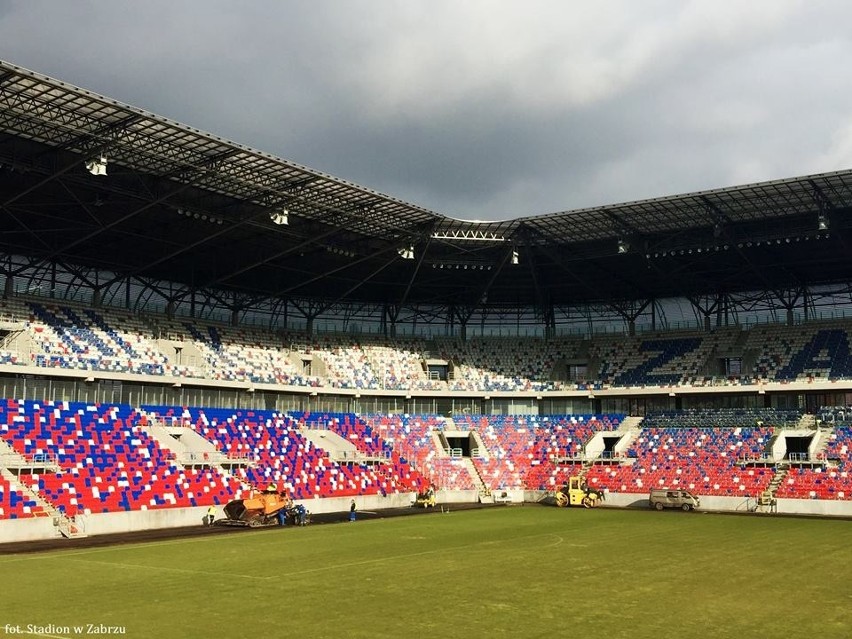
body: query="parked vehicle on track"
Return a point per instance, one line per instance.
(673, 498)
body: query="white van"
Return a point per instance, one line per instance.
(673, 498)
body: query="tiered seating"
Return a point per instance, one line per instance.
(648, 362)
(808, 351)
(15, 505)
(564, 436)
(509, 441)
(824, 482)
(411, 436)
(107, 461)
(400, 364)
(826, 354)
(232, 354)
(523, 450)
(816, 483)
(351, 428)
(285, 458)
(82, 339)
(68, 335)
(722, 417)
(498, 364)
(699, 459)
(397, 471)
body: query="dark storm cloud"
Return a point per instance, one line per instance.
(481, 109)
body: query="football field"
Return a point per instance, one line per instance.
(529, 571)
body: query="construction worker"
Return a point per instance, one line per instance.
(352, 511)
(211, 514)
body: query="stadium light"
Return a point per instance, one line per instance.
(623, 247)
(515, 259)
(280, 217)
(822, 222)
(406, 252)
(97, 166)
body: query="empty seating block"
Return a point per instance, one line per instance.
(107, 461)
(286, 459)
(826, 482)
(703, 460)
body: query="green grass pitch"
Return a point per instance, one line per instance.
(527, 571)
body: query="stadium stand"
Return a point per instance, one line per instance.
(829, 480)
(699, 459)
(412, 436)
(107, 462)
(74, 337)
(15, 505)
(288, 460)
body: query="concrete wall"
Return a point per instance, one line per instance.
(107, 523)
(27, 529)
(101, 524)
(815, 507)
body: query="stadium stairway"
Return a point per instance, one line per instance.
(65, 526)
(189, 447)
(481, 448)
(769, 495)
(807, 421)
(630, 423)
(485, 495)
(10, 458)
(338, 449)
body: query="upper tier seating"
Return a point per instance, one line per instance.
(70, 336)
(501, 364)
(648, 361)
(808, 351)
(53, 334)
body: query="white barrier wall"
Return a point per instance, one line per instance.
(815, 507)
(107, 523)
(12, 530)
(18, 530)
(727, 504)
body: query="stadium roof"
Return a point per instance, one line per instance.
(178, 204)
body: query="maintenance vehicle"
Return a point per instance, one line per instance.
(673, 498)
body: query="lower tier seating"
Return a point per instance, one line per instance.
(15, 505)
(699, 459)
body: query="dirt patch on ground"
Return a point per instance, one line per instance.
(160, 534)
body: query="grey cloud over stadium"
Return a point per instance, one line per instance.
(478, 110)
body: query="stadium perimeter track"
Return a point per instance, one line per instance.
(163, 534)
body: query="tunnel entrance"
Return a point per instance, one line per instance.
(797, 448)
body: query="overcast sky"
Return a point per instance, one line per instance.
(481, 109)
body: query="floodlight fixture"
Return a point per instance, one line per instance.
(97, 166)
(280, 217)
(406, 252)
(623, 247)
(822, 222)
(515, 258)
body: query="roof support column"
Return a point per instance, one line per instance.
(706, 306)
(549, 321)
(9, 285)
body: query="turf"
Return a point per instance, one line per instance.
(504, 572)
